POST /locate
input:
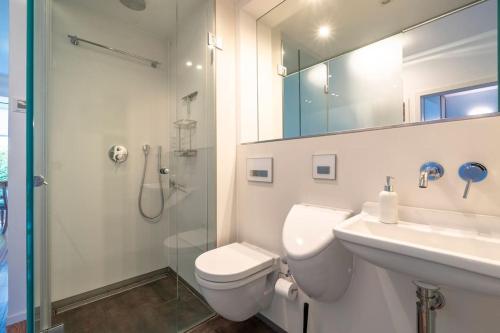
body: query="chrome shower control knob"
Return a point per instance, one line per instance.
(118, 154)
(472, 172)
(164, 171)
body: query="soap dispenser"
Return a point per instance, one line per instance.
(388, 203)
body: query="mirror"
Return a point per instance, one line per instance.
(331, 66)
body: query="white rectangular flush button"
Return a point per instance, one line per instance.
(324, 166)
(260, 169)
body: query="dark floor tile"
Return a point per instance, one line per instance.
(166, 288)
(221, 325)
(86, 319)
(154, 308)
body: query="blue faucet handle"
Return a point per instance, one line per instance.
(472, 172)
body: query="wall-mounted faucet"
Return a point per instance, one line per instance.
(430, 171)
(472, 172)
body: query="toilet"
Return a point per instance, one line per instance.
(320, 265)
(237, 280)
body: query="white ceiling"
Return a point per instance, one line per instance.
(353, 23)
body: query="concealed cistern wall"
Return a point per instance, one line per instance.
(378, 300)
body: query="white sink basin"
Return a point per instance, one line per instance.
(440, 247)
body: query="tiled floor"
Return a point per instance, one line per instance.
(221, 325)
(150, 308)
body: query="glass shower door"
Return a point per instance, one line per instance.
(99, 121)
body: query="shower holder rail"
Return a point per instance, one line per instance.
(75, 40)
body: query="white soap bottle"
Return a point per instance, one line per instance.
(388, 203)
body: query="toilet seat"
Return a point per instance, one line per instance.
(233, 284)
(237, 280)
(233, 262)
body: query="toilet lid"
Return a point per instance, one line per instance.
(232, 262)
(309, 229)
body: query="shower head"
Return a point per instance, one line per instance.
(134, 4)
(146, 149)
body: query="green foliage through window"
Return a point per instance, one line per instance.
(3, 164)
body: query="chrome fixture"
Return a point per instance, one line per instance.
(118, 154)
(430, 171)
(161, 171)
(472, 172)
(75, 40)
(429, 299)
(134, 4)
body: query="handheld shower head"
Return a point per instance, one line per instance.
(146, 148)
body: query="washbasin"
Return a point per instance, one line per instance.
(445, 248)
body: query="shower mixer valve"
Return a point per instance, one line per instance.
(118, 154)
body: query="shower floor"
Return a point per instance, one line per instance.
(150, 308)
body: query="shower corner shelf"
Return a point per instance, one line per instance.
(185, 123)
(186, 152)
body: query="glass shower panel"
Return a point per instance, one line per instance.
(313, 100)
(365, 87)
(193, 138)
(291, 105)
(116, 235)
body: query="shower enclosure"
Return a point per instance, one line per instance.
(121, 163)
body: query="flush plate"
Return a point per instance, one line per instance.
(324, 166)
(260, 169)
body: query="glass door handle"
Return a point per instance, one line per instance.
(39, 181)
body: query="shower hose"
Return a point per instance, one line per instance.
(154, 218)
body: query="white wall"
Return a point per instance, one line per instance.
(96, 100)
(226, 120)
(248, 125)
(270, 84)
(378, 300)
(16, 236)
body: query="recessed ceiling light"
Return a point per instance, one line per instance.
(189, 63)
(199, 67)
(324, 31)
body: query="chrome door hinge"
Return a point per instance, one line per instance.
(281, 70)
(214, 41)
(39, 181)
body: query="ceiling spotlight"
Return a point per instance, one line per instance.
(324, 31)
(199, 67)
(189, 63)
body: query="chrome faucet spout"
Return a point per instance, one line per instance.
(424, 179)
(429, 171)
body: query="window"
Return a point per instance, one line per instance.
(460, 103)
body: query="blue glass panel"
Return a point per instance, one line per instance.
(291, 108)
(313, 100)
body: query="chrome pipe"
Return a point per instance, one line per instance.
(429, 299)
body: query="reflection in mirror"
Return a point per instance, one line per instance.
(326, 67)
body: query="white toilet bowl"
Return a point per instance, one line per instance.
(320, 265)
(237, 280)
